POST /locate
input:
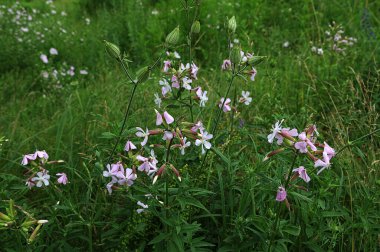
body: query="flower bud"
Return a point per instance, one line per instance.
(143, 74)
(255, 60)
(113, 50)
(196, 27)
(232, 24)
(235, 55)
(173, 37)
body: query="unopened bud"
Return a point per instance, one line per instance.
(235, 55)
(42, 221)
(173, 37)
(34, 234)
(112, 49)
(232, 24)
(4, 217)
(255, 60)
(196, 27)
(271, 154)
(143, 74)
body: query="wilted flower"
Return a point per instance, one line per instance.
(281, 194)
(141, 133)
(62, 178)
(197, 126)
(167, 65)
(175, 82)
(157, 100)
(302, 173)
(253, 73)
(305, 141)
(225, 103)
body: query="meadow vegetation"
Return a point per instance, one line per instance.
(314, 66)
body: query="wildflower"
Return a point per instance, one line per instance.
(128, 178)
(226, 64)
(313, 49)
(281, 194)
(253, 73)
(302, 173)
(145, 164)
(30, 183)
(243, 57)
(198, 125)
(330, 152)
(202, 97)
(184, 67)
(175, 82)
(27, 158)
(168, 118)
(288, 131)
(205, 136)
(140, 210)
(194, 70)
(225, 103)
(42, 154)
(83, 72)
(144, 134)
(71, 71)
(245, 98)
(325, 163)
(113, 170)
(62, 179)
(184, 145)
(320, 51)
(167, 65)
(176, 55)
(44, 58)
(186, 83)
(165, 87)
(168, 135)
(157, 100)
(53, 51)
(45, 74)
(129, 146)
(42, 178)
(275, 130)
(24, 29)
(305, 141)
(285, 44)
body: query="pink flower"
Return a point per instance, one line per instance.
(127, 178)
(44, 58)
(175, 82)
(167, 65)
(276, 128)
(226, 64)
(329, 151)
(225, 103)
(168, 135)
(325, 163)
(194, 70)
(281, 194)
(186, 83)
(41, 179)
(202, 97)
(62, 179)
(292, 133)
(129, 146)
(168, 118)
(302, 145)
(27, 158)
(253, 73)
(302, 173)
(165, 87)
(42, 154)
(146, 165)
(141, 133)
(53, 51)
(197, 126)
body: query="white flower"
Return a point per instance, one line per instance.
(202, 97)
(186, 83)
(275, 129)
(184, 145)
(42, 178)
(83, 72)
(141, 133)
(44, 58)
(157, 100)
(320, 51)
(140, 210)
(285, 44)
(53, 51)
(203, 141)
(245, 97)
(166, 88)
(176, 55)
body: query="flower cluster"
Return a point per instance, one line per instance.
(305, 143)
(36, 166)
(175, 135)
(178, 77)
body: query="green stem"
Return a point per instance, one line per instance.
(356, 140)
(290, 170)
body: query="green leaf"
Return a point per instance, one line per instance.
(158, 238)
(108, 135)
(221, 155)
(292, 230)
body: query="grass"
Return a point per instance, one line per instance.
(340, 93)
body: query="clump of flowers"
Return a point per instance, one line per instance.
(39, 176)
(303, 143)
